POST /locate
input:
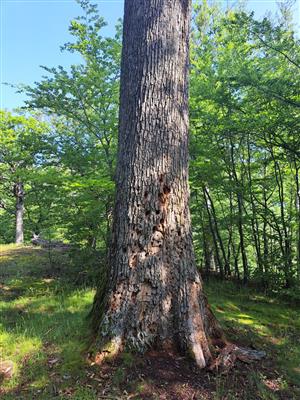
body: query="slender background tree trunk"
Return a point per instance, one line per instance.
(19, 195)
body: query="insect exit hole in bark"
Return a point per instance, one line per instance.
(166, 189)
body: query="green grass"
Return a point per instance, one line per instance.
(44, 330)
(267, 323)
(43, 327)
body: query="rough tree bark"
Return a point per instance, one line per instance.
(19, 195)
(297, 181)
(154, 296)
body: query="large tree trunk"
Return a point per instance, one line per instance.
(154, 295)
(19, 195)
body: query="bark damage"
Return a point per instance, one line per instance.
(152, 296)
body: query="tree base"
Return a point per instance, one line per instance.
(226, 358)
(208, 347)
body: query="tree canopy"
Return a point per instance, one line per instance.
(244, 146)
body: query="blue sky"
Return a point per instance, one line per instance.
(32, 32)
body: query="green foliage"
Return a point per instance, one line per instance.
(86, 99)
(25, 153)
(244, 112)
(291, 295)
(245, 195)
(68, 193)
(245, 160)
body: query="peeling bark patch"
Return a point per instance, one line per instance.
(133, 261)
(145, 291)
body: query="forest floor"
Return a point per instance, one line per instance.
(44, 335)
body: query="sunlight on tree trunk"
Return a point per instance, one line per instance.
(154, 296)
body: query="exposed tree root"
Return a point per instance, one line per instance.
(231, 353)
(6, 369)
(228, 353)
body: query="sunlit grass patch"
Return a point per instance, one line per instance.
(20, 349)
(260, 321)
(43, 327)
